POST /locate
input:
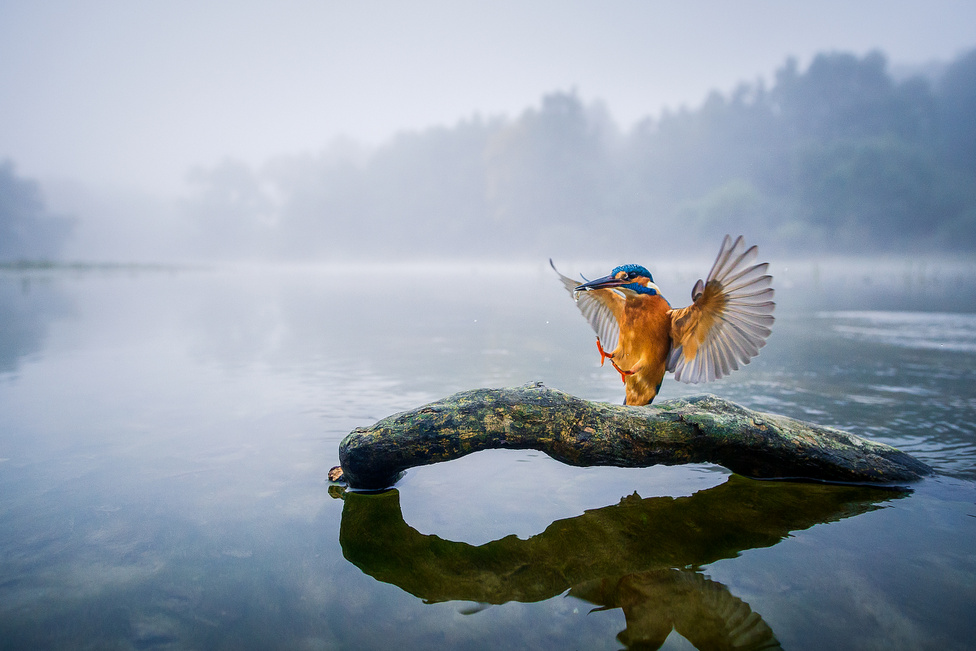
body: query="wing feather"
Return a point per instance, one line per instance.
(601, 309)
(729, 320)
(755, 296)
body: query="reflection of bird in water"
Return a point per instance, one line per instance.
(702, 611)
(625, 555)
(726, 324)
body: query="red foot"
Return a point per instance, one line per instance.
(623, 373)
(604, 355)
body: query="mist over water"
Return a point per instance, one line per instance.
(168, 432)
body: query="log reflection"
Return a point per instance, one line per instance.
(641, 555)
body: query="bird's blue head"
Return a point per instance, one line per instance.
(633, 271)
(629, 277)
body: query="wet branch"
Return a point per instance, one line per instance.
(579, 432)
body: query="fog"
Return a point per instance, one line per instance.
(306, 131)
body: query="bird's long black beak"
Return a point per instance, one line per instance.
(601, 283)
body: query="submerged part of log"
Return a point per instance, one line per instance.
(704, 429)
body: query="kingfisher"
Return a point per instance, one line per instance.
(726, 324)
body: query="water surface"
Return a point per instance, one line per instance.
(166, 436)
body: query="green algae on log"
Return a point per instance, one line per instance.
(703, 429)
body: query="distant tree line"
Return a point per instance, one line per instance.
(28, 231)
(839, 157)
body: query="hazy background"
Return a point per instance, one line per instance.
(150, 131)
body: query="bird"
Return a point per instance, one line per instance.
(726, 324)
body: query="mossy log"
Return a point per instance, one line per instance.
(704, 429)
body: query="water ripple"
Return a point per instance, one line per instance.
(920, 330)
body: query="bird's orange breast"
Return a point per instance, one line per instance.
(643, 346)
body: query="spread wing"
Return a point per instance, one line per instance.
(729, 320)
(601, 308)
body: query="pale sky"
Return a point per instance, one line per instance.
(135, 92)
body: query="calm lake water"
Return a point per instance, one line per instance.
(166, 436)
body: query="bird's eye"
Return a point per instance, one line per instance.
(631, 275)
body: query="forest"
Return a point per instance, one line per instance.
(840, 157)
(28, 230)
